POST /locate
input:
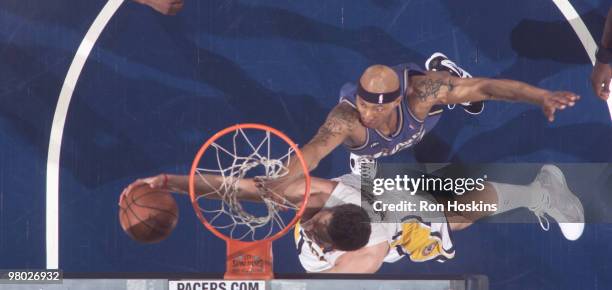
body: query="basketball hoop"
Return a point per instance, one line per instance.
(248, 236)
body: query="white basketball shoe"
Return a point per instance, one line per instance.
(558, 202)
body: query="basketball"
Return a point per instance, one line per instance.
(148, 215)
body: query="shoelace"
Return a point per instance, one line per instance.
(540, 211)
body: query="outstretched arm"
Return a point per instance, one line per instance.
(180, 184)
(247, 188)
(338, 126)
(440, 88)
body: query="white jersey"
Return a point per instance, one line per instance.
(419, 240)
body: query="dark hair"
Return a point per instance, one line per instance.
(349, 227)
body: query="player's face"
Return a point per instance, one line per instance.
(374, 115)
(316, 228)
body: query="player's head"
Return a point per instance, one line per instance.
(378, 94)
(344, 227)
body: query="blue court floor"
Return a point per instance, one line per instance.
(155, 87)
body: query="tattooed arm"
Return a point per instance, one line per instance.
(437, 88)
(338, 126)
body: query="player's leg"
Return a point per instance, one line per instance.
(548, 195)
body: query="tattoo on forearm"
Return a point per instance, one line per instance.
(450, 85)
(340, 120)
(330, 129)
(429, 88)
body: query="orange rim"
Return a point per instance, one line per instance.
(218, 135)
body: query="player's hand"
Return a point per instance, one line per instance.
(600, 80)
(155, 182)
(557, 101)
(274, 189)
(166, 7)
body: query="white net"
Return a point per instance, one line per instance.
(224, 207)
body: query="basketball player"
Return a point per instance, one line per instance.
(335, 234)
(166, 7)
(602, 72)
(391, 108)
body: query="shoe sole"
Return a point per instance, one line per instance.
(553, 169)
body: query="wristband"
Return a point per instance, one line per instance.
(603, 55)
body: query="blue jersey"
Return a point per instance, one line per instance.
(410, 129)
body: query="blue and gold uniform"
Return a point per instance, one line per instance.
(412, 237)
(421, 241)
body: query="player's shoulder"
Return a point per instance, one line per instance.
(345, 110)
(345, 114)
